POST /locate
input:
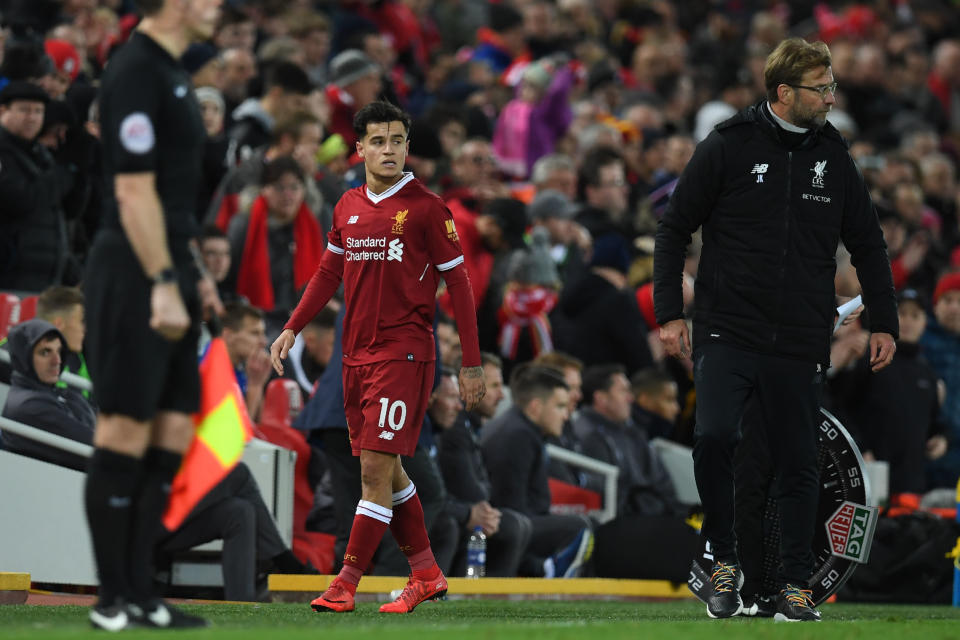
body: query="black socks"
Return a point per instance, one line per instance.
(113, 481)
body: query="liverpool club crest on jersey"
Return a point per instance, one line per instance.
(398, 221)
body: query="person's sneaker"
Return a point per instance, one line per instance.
(570, 560)
(337, 598)
(758, 606)
(158, 614)
(726, 581)
(795, 605)
(110, 618)
(415, 592)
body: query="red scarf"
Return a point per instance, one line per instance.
(525, 306)
(253, 279)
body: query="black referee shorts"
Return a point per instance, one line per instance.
(135, 371)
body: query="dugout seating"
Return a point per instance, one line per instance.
(28, 307)
(9, 313)
(282, 401)
(45, 533)
(568, 499)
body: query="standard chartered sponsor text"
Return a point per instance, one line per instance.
(366, 243)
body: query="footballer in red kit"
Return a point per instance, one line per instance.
(391, 242)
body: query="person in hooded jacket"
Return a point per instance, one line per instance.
(598, 320)
(37, 350)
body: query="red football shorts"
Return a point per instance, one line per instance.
(385, 403)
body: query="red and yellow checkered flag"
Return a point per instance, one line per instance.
(222, 429)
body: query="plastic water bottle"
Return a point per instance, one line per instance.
(477, 554)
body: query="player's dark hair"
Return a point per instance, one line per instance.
(599, 378)
(529, 382)
(288, 76)
(443, 318)
(231, 15)
(57, 300)
(559, 360)
(148, 7)
(212, 231)
(376, 113)
(492, 359)
(235, 313)
(650, 380)
(596, 159)
(447, 372)
(293, 125)
(279, 167)
(326, 319)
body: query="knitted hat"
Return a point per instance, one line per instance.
(23, 90)
(534, 264)
(331, 148)
(64, 56)
(912, 295)
(351, 65)
(210, 94)
(550, 203)
(947, 283)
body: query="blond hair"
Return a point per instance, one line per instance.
(790, 60)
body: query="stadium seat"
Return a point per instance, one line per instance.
(281, 401)
(28, 308)
(9, 313)
(567, 499)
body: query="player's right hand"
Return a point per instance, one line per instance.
(676, 338)
(168, 315)
(279, 349)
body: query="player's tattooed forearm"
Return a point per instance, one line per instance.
(472, 372)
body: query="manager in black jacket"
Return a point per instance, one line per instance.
(774, 190)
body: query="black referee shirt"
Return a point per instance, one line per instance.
(151, 122)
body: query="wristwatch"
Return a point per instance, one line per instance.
(165, 276)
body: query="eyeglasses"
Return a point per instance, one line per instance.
(614, 183)
(823, 89)
(483, 160)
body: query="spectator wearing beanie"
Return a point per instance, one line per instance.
(598, 320)
(355, 81)
(941, 348)
(66, 67)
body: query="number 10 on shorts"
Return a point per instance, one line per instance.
(389, 414)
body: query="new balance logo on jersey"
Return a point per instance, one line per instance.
(395, 250)
(353, 219)
(386, 435)
(759, 170)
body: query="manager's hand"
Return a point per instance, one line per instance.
(676, 338)
(882, 348)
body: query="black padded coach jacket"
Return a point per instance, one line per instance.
(772, 216)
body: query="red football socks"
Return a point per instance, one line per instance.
(411, 534)
(369, 525)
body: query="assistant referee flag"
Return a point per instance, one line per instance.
(222, 429)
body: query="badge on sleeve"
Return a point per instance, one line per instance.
(136, 133)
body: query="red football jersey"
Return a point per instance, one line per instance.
(395, 246)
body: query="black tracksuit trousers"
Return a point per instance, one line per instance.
(788, 395)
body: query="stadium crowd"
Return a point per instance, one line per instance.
(555, 132)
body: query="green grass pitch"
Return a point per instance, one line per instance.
(501, 619)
